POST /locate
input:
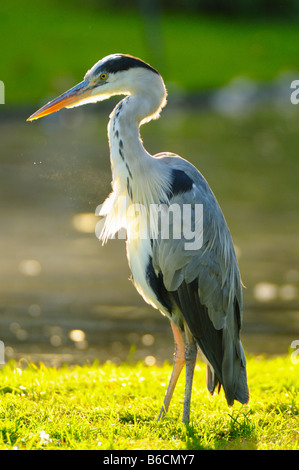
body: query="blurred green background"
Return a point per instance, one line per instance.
(44, 42)
(228, 67)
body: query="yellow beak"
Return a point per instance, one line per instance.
(68, 99)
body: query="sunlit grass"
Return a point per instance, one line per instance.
(115, 407)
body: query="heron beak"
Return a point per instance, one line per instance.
(70, 98)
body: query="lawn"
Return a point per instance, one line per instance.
(115, 407)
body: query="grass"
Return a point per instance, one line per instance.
(115, 407)
(49, 45)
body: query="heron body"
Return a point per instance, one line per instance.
(199, 289)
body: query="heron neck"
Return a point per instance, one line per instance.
(126, 148)
(135, 172)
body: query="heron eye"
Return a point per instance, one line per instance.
(103, 76)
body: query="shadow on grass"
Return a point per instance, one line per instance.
(237, 433)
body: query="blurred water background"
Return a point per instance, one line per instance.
(63, 296)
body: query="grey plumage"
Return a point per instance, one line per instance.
(205, 286)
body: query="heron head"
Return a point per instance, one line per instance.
(116, 74)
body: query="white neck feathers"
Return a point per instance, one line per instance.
(137, 176)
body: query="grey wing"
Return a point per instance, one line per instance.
(204, 283)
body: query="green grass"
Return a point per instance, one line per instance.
(115, 407)
(48, 46)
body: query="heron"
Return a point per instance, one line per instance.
(200, 289)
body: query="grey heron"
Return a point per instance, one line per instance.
(200, 289)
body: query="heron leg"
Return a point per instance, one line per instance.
(178, 364)
(190, 360)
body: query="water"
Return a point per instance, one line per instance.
(56, 277)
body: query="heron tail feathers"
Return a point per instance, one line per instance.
(241, 392)
(212, 380)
